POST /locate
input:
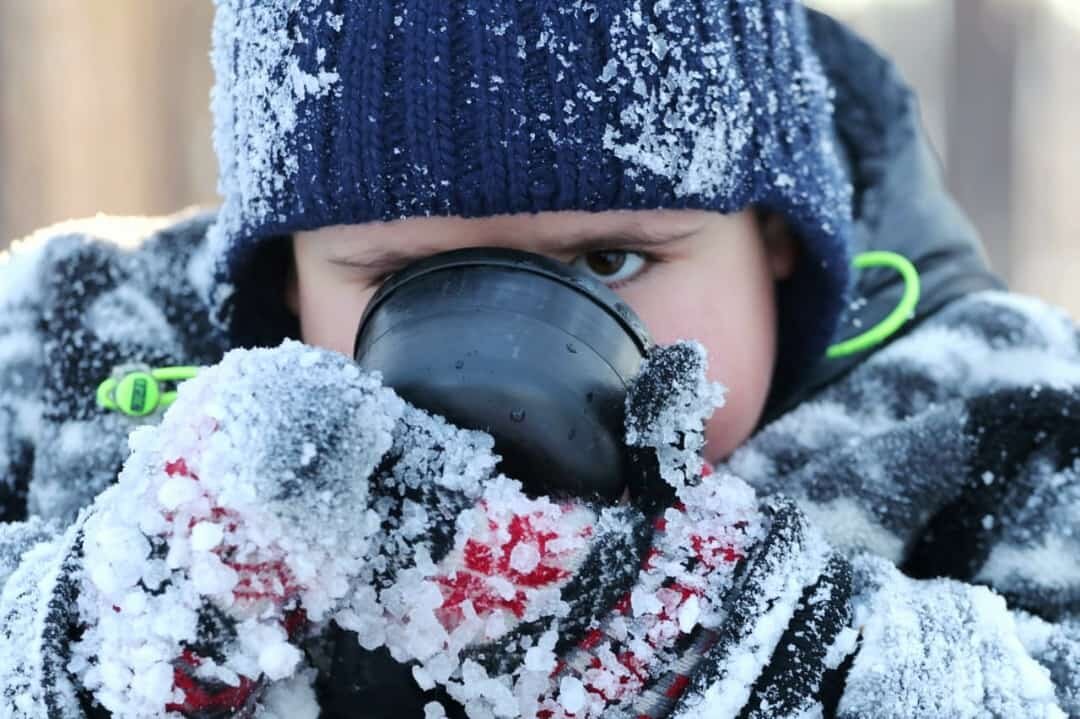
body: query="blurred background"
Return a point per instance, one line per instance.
(104, 108)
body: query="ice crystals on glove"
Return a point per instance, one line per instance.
(217, 505)
(667, 408)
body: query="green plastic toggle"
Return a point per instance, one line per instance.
(137, 391)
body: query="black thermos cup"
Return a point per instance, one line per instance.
(530, 350)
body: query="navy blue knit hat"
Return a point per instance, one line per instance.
(335, 112)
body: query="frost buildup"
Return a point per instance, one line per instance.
(668, 407)
(210, 511)
(682, 119)
(910, 632)
(697, 109)
(256, 504)
(260, 91)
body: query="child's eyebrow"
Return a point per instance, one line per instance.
(385, 261)
(625, 239)
(391, 260)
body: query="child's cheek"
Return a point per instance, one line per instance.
(737, 328)
(330, 314)
(745, 367)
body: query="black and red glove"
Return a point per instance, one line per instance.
(295, 539)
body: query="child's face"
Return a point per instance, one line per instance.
(688, 274)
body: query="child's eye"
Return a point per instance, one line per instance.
(612, 267)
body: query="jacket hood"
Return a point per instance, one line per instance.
(900, 201)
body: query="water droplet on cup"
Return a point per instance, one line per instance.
(571, 348)
(571, 434)
(459, 364)
(517, 415)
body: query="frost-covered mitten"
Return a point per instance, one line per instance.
(238, 520)
(631, 656)
(286, 492)
(285, 489)
(666, 410)
(621, 635)
(775, 630)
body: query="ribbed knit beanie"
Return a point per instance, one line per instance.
(335, 112)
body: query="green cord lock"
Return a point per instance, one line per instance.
(136, 390)
(896, 319)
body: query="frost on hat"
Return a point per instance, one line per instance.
(355, 111)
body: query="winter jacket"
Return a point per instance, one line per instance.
(936, 466)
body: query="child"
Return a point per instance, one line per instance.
(716, 163)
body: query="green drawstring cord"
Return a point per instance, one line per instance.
(896, 319)
(136, 390)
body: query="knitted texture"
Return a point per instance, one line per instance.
(348, 111)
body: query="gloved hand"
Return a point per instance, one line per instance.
(242, 517)
(284, 489)
(286, 497)
(779, 626)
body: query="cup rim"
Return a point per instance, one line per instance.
(515, 260)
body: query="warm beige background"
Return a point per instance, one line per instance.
(1000, 92)
(104, 107)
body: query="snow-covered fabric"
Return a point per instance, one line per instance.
(961, 637)
(345, 112)
(74, 307)
(951, 453)
(21, 374)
